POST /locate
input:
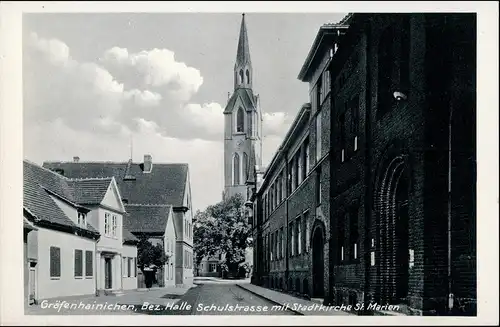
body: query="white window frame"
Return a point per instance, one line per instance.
(299, 235)
(82, 219)
(107, 225)
(212, 267)
(114, 225)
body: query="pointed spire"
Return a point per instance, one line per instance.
(243, 53)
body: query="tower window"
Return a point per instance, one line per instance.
(240, 120)
(248, 76)
(236, 169)
(241, 76)
(245, 167)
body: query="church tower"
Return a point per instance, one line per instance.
(242, 124)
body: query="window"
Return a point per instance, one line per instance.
(55, 261)
(135, 266)
(107, 228)
(78, 263)
(306, 231)
(282, 238)
(212, 267)
(89, 264)
(318, 186)
(307, 155)
(342, 137)
(299, 236)
(115, 225)
(341, 235)
(319, 93)
(240, 120)
(236, 169)
(244, 172)
(124, 266)
(82, 219)
(292, 237)
(404, 73)
(241, 76)
(355, 120)
(354, 233)
(318, 136)
(272, 247)
(248, 76)
(385, 70)
(300, 166)
(129, 270)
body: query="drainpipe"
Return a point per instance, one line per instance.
(450, 294)
(287, 269)
(368, 162)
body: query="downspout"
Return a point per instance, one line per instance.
(287, 262)
(96, 266)
(450, 294)
(368, 163)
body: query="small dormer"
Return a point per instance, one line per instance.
(148, 163)
(82, 219)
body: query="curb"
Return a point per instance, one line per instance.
(265, 298)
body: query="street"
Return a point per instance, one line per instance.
(220, 299)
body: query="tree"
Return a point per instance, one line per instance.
(149, 254)
(222, 229)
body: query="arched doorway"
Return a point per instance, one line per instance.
(318, 262)
(393, 236)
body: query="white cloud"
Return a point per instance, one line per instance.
(276, 123)
(157, 68)
(209, 116)
(83, 108)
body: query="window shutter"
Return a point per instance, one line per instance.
(55, 261)
(78, 263)
(89, 267)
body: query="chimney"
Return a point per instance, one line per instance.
(76, 159)
(148, 163)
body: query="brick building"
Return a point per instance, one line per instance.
(387, 207)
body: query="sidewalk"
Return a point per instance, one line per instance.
(125, 304)
(297, 305)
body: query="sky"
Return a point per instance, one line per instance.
(105, 86)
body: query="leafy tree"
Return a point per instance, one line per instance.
(149, 254)
(222, 229)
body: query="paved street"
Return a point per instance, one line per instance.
(220, 298)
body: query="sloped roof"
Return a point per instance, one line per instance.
(247, 97)
(243, 51)
(89, 191)
(164, 185)
(37, 183)
(146, 218)
(128, 237)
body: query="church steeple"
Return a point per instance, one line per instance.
(243, 67)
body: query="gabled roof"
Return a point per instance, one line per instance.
(164, 185)
(143, 218)
(89, 191)
(38, 185)
(247, 97)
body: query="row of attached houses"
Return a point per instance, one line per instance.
(157, 199)
(371, 195)
(75, 242)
